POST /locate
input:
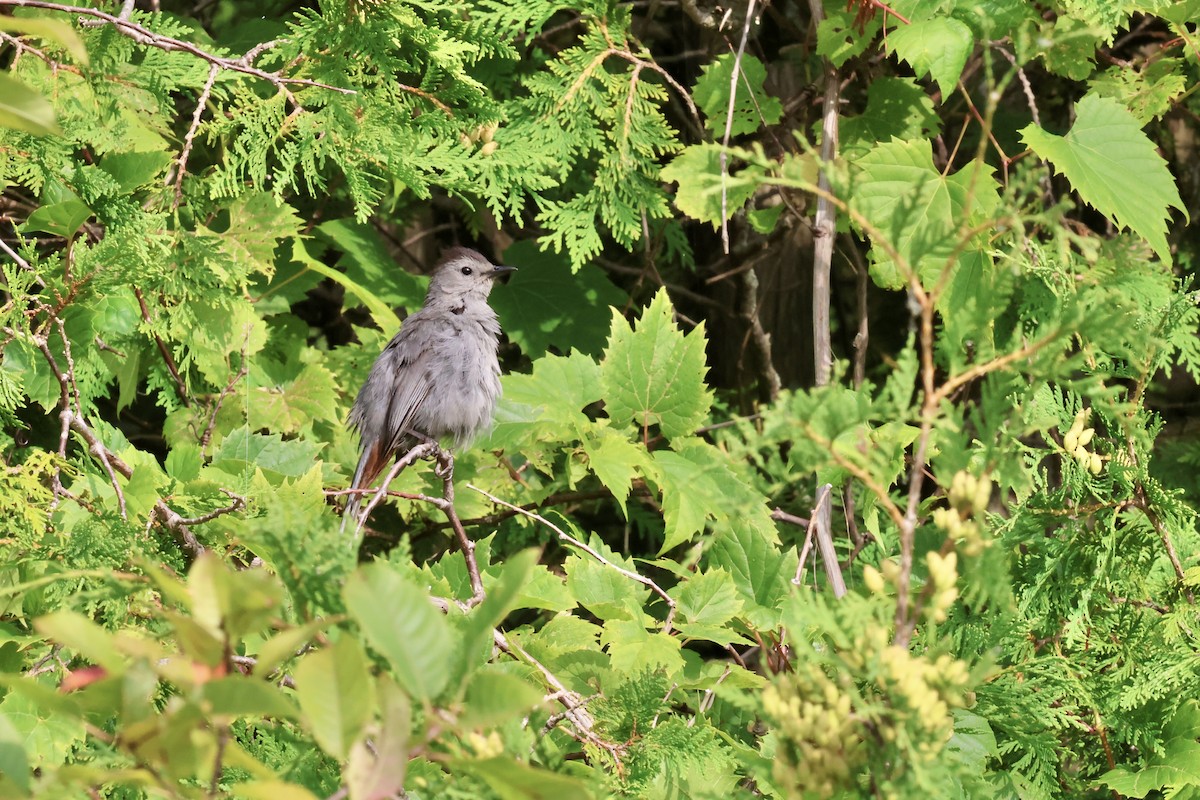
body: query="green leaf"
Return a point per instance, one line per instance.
(47, 735)
(634, 649)
(544, 304)
(398, 620)
(242, 450)
(241, 696)
(502, 595)
(559, 388)
(752, 106)
(136, 169)
(494, 698)
(703, 193)
(24, 109)
(184, 461)
(698, 484)
(334, 688)
(310, 397)
(381, 313)
(14, 763)
(708, 598)
(512, 780)
(838, 37)
(546, 590)
(85, 637)
(61, 213)
(58, 31)
(937, 46)
(601, 589)
(897, 108)
(369, 265)
(654, 374)
(761, 571)
(1115, 168)
(378, 765)
(615, 460)
(913, 206)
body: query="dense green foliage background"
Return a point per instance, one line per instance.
(950, 553)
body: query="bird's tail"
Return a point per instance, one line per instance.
(370, 464)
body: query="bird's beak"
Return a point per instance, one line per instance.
(500, 272)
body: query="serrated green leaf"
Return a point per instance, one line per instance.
(752, 107)
(897, 108)
(184, 461)
(398, 620)
(557, 390)
(601, 589)
(937, 46)
(47, 735)
(761, 571)
(545, 303)
(546, 590)
(915, 208)
(242, 450)
(708, 598)
(634, 649)
(698, 484)
(1115, 168)
(615, 460)
(334, 688)
(704, 194)
(838, 37)
(310, 397)
(654, 374)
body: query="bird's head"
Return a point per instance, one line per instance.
(463, 274)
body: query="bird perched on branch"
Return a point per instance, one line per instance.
(438, 377)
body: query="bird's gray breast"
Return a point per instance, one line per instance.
(463, 375)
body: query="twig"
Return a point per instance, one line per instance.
(180, 389)
(823, 515)
(145, 36)
(420, 451)
(576, 710)
(238, 504)
(824, 229)
(862, 286)
(190, 138)
(758, 335)
(733, 84)
(566, 537)
(207, 435)
(445, 469)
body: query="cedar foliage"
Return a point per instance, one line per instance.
(207, 214)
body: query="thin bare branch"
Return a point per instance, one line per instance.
(824, 222)
(190, 138)
(568, 538)
(145, 36)
(733, 84)
(180, 389)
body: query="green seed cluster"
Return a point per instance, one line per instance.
(820, 743)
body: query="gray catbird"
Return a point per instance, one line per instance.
(438, 377)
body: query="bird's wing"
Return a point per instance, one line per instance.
(402, 379)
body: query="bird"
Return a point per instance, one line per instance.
(439, 376)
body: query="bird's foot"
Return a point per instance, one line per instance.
(445, 464)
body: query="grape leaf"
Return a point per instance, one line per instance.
(654, 374)
(1114, 167)
(937, 46)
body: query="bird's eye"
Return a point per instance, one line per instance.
(467, 270)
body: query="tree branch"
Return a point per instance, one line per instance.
(566, 537)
